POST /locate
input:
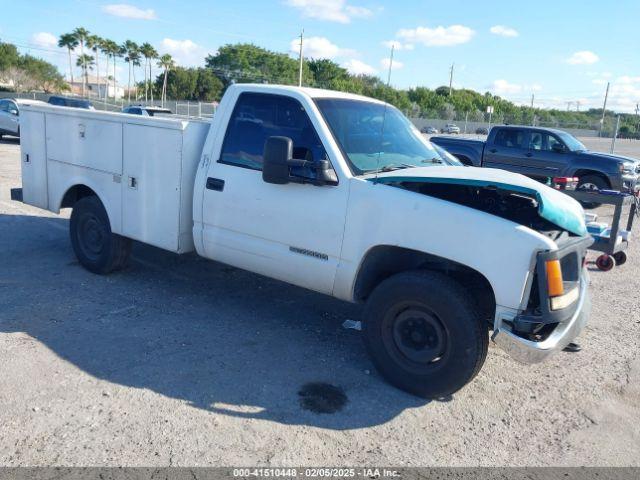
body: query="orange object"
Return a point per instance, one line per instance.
(555, 285)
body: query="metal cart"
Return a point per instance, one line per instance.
(613, 251)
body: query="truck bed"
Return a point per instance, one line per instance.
(467, 150)
(143, 168)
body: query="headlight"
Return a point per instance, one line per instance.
(627, 168)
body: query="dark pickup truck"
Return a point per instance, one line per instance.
(542, 153)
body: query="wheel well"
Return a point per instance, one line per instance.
(584, 172)
(384, 261)
(74, 194)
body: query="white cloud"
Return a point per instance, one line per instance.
(398, 45)
(583, 57)
(330, 10)
(184, 52)
(384, 63)
(129, 11)
(502, 87)
(44, 40)
(439, 36)
(358, 67)
(503, 31)
(320, 47)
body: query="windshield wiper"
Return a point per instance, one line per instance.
(432, 160)
(391, 167)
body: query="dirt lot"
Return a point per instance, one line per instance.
(182, 361)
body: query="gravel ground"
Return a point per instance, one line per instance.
(182, 361)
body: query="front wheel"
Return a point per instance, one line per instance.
(424, 334)
(592, 183)
(97, 248)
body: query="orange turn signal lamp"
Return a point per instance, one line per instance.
(555, 285)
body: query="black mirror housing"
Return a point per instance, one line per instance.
(278, 160)
(278, 153)
(558, 148)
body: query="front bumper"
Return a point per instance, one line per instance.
(528, 351)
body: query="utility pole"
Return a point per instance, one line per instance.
(604, 110)
(569, 106)
(637, 117)
(533, 95)
(451, 78)
(615, 135)
(577, 105)
(390, 65)
(301, 59)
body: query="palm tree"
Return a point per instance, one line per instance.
(94, 42)
(130, 49)
(86, 62)
(111, 49)
(107, 49)
(68, 41)
(81, 35)
(149, 53)
(166, 62)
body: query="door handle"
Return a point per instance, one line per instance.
(493, 150)
(216, 184)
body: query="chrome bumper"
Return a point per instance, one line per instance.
(527, 351)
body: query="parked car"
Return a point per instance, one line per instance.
(429, 130)
(304, 192)
(482, 131)
(147, 111)
(541, 153)
(10, 115)
(450, 128)
(70, 102)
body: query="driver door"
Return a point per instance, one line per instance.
(291, 232)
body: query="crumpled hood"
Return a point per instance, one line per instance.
(553, 205)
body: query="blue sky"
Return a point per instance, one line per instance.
(560, 51)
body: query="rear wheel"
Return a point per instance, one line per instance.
(425, 334)
(97, 248)
(605, 262)
(592, 183)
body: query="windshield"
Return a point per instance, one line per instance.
(571, 142)
(358, 128)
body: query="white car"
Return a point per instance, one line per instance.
(450, 128)
(10, 115)
(308, 190)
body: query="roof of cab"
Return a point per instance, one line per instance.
(308, 91)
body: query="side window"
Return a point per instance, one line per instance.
(510, 137)
(257, 117)
(535, 142)
(4, 106)
(551, 141)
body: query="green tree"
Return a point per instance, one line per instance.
(149, 53)
(95, 43)
(81, 34)
(130, 51)
(208, 87)
(167, 63)
(70, 42)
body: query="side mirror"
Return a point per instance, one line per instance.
(278, 160)
(278, 153)
(558, 148)
(13, 111)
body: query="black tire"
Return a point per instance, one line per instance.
(97, 248)
(620, 258)
(424, 333)
(592, 183)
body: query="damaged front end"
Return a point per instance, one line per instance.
(555, 303)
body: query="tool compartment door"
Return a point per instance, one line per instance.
(33, 153)
(151, 184)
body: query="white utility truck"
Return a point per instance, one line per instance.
(336, 193)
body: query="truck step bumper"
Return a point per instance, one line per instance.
(528, 351)
(16, 194)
